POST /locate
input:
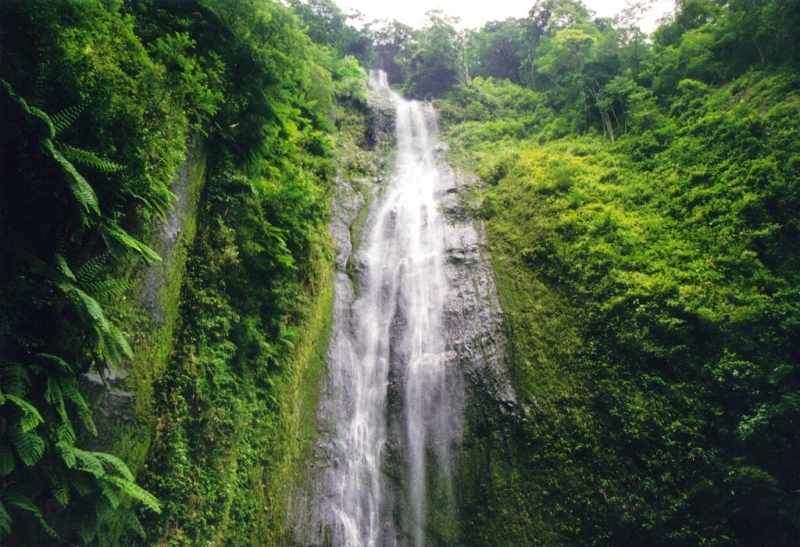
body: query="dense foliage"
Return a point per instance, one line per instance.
(100, 101)
(641, 205)
(640, 199)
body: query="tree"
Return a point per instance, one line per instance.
(433, 61)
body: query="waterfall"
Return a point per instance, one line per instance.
(415, 308)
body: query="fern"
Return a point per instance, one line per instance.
(159, 204)
(87, 461)
(136, 492)
(28, 445)
(81, 483)
(130, 519)
(117, 239)
(67, 452)
(60, 489)
(37, 119)
(72, 394)
(91, 269)
(64, 268)
(110, 493)
(5, 521)
(116, 464)
(109, 338)
(7, 461)
(61, 365)
(64, 432)
(88, 159)
(30, 416)
(12, 499)
(82, 192)
(65, 118)
(86, 526)
(14, 379)
(107, 288)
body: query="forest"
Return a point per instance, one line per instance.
(166, 173)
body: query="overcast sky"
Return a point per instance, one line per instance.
(475, 13)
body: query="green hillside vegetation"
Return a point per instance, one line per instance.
(102, 103)
(641, 202)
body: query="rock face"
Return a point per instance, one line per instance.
(108, 391)
(416, 337)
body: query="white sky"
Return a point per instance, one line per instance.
(475, 13)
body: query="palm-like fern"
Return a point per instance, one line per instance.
(39, 399)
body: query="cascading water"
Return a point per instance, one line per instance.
(400, 347)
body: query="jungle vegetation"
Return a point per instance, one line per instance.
(641, 205)
(640, 197)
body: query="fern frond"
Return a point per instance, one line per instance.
(109, 339)
(35, 117)
(81, 482)
(120, 341)
(67, 452)
(7, 460)
(30, 415)
(53, 394)
(88, 462)
(65, 118)
(82, 192)
(63, 267)
(110, 493)
(59, 363)
(64, 432)
(116, 464)
(116, 237)
(86, 526)
(107, 287)
(5, 521)
(136, 492)
(13, 499)
(61, 490)
(91, 269)
(29, 445)
(130, 520)
(159, 201)
(15, 379)
(88, 159)
(72, 394)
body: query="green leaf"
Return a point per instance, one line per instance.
(26, 504)
(117, 464)
(5, 521)
(29, 446)
(16, 379)
(116, 237)
(61, 489)
(67, 451)
(63, 267)
(136, 492)
(88, 461)
(61, 365)
(7, 461)
(110, 493)
(88, 159)
(84, 194)
(30, 416)
(70, 391)
(64, 119)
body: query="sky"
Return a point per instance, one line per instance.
(475, 13)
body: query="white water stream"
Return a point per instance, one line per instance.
(395, 346)
(414, 316)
